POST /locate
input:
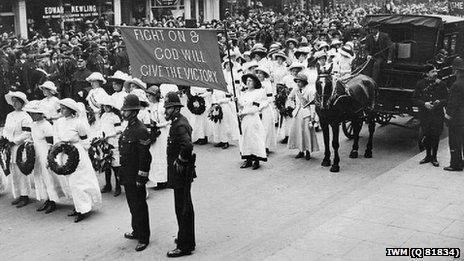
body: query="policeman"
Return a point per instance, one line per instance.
(455, 117)
(430, 96)
(135, 158)
(181, 173)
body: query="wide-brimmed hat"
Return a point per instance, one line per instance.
(301, 77)
(20, 95)
(302, 50)
(322, 44)
(131, 102)
(291, 40)
(252, 76)
(34, 107)
(118, 76)
(49, 85)
(71, 104)
(172, 100)
(225, 62)
(258, 50)
(246, 53)
(109, 101)
(248, 65)
(336, 42)
(264, 70)
(346, 51)
(296, 65)
(458, 63)
(96, 76)
(320, 54)
(138, 82)
(154, 89)
(280, 54)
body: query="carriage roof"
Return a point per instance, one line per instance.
(432, 21)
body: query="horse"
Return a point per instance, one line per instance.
(353, 99)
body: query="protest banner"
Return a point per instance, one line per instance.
(456, 7)
(179, 56)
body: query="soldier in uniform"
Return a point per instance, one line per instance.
(430, 96)
(79, 86)
(135, 159)
(455, 117)
(181, 173)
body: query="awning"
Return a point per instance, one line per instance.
(415, 20)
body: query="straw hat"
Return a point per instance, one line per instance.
(252, 76)
(109, 101)
(346, 51)
(119, 76)
(296, 65)
(320, 54)
(291, 40)
(49, 85)
(20, 95)
(264, 70)
(96, 76)
(154, 89)
(301, 77)
(139, 83)
(280, 54)
(71, 104)
(34, 107)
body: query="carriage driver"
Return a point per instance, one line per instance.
(378, 46)
(430, 95)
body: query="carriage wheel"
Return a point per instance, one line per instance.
(347, 127)
(383, 119)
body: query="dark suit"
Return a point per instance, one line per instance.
(180, 150)
(134, 145)
(4, 88)
(380, 51)
(431, 120)
(455, 110)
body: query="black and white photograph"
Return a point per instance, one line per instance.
(261, 130)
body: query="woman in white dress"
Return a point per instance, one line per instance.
(47, 183)
(110, 129)
(83, 182)
(267, 110)
(159, 166)
(201, 125)
(302, 133)
(253, 139)
(94, 96)
(17, 130)
(117, 81)
(222, 130)
(50, 104)
(279, 69)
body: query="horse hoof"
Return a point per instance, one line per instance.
(354, 154)
(368, 155)
(335, 168)
(326, 163)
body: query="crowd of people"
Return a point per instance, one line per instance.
(76, 86)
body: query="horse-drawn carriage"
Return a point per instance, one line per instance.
(417, 41)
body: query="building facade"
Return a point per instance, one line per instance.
(21, 16)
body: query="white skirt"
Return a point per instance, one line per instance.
(83, 184)
(20, 183)
(253, 139)
(159, 163)
(268, 120)
(201, 126)
(302, 136)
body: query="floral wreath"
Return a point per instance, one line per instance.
(5, 155)
(215, 113)
(101, 154)
(25, 161)
(196, 104)
(281, 98)
(72, 160)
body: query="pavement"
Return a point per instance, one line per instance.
(290, 209)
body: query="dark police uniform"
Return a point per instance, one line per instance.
(435, 92)
(135, 160)
(455, 111)
(180, 149)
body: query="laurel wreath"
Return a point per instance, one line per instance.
(72, 160)
(280, 100)
(5, 155)
(101, 154)
(215, 113)
(196, 104)
(25, 157)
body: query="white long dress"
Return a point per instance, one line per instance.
(302, 136)
(17, 130)
(268, 115)
(201, 126)
(222, 130)
(110, 125)
(119, 97)
(47, 184)
(83, 182)
(159, 165)
(253, 139)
